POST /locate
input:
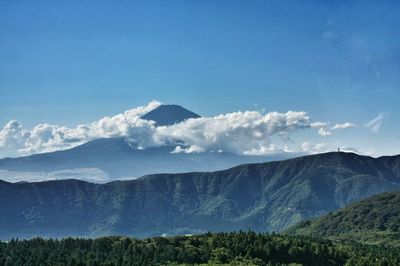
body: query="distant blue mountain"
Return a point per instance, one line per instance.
(118, 159)
(166, 115)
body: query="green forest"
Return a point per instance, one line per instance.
(374, 220)
(237, 248)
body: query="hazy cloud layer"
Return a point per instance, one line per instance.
(247, 132)
(88, 174)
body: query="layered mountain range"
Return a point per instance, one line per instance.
(263, 197)
(108, 159)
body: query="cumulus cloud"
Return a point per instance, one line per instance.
(323, 132)
(322, 128)
(16, 141)
(247, 132)
(343, 126)
(239, 132)
(12, 135)
(190, 149)
(309, 147)
(375, 124)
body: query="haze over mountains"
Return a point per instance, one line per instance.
(107, 159)
(263, 197)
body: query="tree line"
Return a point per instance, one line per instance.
(236, 248)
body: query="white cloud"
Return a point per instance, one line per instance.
(343, 126)
(16, 141)
(239, 132)
(322, 128)
(309, 147)
(375, 124)
(262, 150)
(249, 132)
(12, 136)
(323, 132)
(190, 149)
(351, 149)
(319, 124)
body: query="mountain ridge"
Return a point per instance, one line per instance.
(262, 197)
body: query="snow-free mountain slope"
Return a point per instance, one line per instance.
(263, 197)
(374, 220)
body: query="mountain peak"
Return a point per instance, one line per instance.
(169, 114)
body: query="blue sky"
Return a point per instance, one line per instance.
(71, 62)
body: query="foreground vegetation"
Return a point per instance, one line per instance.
(242, 248)
(375, 220)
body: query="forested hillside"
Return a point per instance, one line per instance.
(375, 220)
(261, 197)
(242, 248)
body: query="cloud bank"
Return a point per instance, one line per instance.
(248, 132)
(17, 141)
